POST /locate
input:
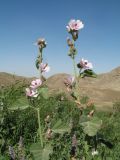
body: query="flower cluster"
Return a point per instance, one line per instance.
(73, 28)
(42, 67)
(72, 51)
(18, 152)
(32, 91)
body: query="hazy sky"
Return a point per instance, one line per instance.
(22, 22)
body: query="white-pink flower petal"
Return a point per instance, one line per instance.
(85, 64)
(31, 93)
(75, 25)
(88, 66)
(68, 28)
(36, 83)
(44, 67)
(69, 81)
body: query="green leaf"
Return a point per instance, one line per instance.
(88, 73)
(61, 128)
(40, 153)
(74, 94)
(37, 63)
(92, 127)
(43, 92)
(20, 108)
(4, 158)
(83, 118)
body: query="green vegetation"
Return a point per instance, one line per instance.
(67, 130)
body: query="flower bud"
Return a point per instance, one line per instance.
(47, 119)
(41, 43)
(69, 42)
(75, 35)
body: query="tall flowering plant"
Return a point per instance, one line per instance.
(36, 87)
(85, 67)
(65, 127)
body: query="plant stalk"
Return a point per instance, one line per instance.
(77, 84)
(41, 58)
(74, 66)
(39, 129)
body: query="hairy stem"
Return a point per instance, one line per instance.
(41, 58)
(74, 66)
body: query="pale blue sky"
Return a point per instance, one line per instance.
(22, 22)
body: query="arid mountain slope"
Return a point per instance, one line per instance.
(8, 79)
(104, 90)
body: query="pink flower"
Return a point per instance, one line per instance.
(44, 67)
(31, 93)
(35, 83)
(85, 64)
(74, 25)
(69, 82)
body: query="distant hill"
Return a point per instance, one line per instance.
(104, 90)
(8, 79)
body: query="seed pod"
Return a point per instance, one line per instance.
(69, 42)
